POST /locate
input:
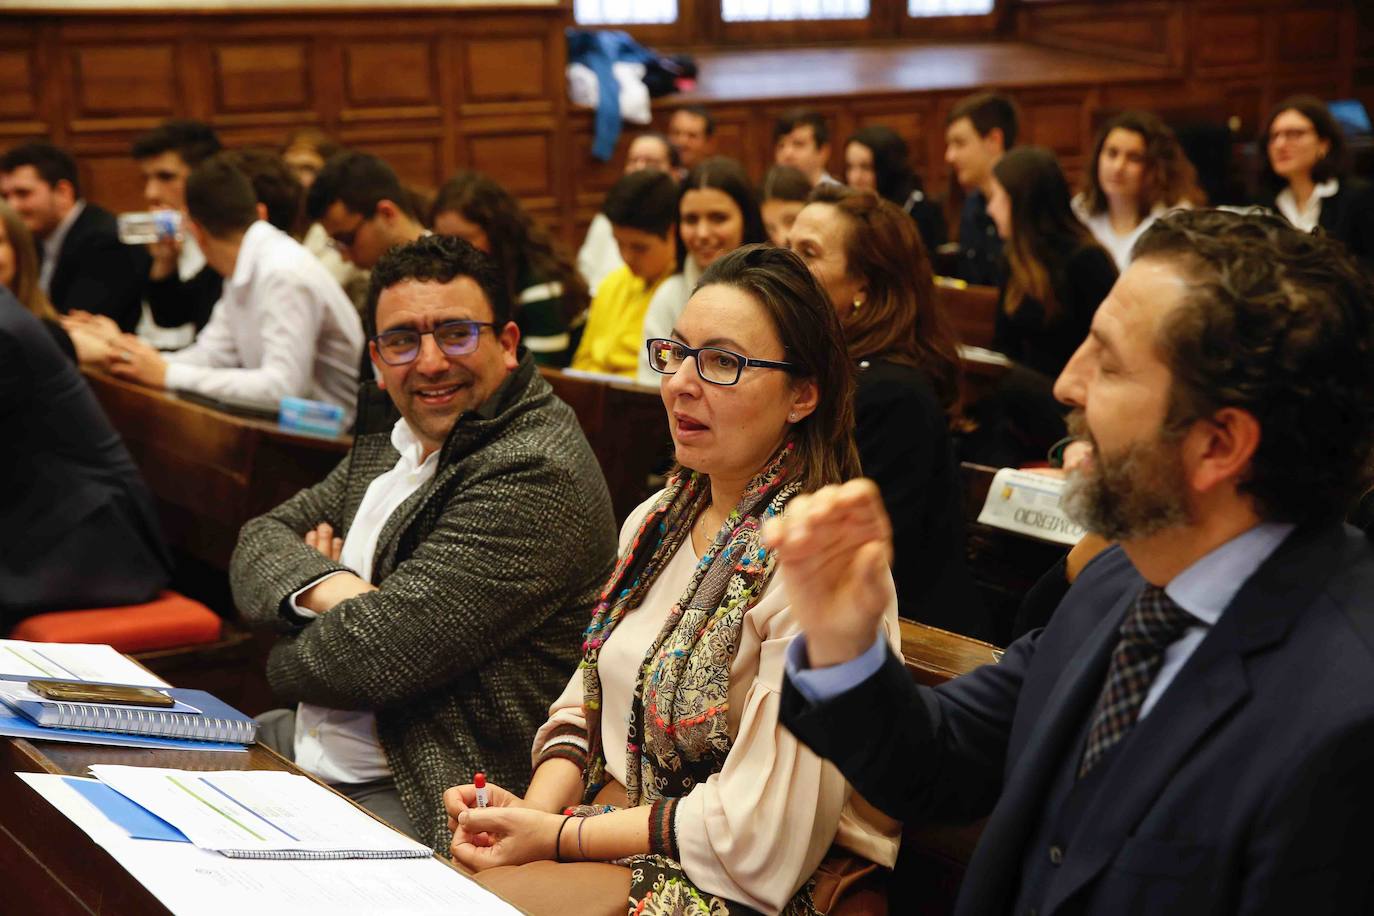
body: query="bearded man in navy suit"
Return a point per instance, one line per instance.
(1193, 731)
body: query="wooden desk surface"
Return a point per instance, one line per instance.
(50, 865)
(211, 471)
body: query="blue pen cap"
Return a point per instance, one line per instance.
(316, 418)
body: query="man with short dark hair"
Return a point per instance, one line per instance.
(979, 129)
(359, 201)
(280, 195)
(283, 326)
(1193, 731)
(84, 265)
(693, 131)
(801, 139)
(434, 586)
(181, 287)
(642, 211)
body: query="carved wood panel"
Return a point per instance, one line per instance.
(116, 81)
(261, 77)
(17, 84)
(520, 162)
(501, 69)
(382, 76)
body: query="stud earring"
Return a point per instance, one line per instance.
(858, 304)
(792, 417)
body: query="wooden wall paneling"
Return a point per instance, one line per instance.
(1060, 121)
(1305, 38)
(521, 161)
(392, 79)
(1228, 40)
(20, 82)
(415, 152)
(1150, 33)
(262, 81)
(914, 123)
(110, 176)
(505, 69)
(131, 85)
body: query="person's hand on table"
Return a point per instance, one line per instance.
(137, 361)
(835, 546)
(505, 835)
(101, 326)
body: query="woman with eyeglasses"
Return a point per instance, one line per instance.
(664, 755)
(1304, 175)
(717, 213)
(550, 296)
(868, 257)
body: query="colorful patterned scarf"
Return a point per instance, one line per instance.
(678, 733)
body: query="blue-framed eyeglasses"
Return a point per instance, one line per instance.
(714, 365)
(455, 338)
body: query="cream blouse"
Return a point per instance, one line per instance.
(757, 830)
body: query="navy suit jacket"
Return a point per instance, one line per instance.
(1245, 789)
(97, 272)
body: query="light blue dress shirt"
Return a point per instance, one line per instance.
(1204, 590)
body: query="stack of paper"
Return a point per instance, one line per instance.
(189, 880)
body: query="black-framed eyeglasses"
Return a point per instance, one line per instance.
(455, 338)
(343, 241)
(714, 365)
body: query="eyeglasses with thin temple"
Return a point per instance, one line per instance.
(455, 338)
(714, 365)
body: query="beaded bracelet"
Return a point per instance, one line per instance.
(558, 840)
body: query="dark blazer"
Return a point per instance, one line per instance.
(97, 272)
(1081, 279)
(173, 301)
(903, 439)
(1244, 790)
(1347, 215)
(77, 526)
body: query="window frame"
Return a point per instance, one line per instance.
(699, 26)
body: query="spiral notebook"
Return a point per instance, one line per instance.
(258, 814)
(197, 715)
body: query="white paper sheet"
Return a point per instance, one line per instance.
(190, 880)
(73, 661)
(255, 811)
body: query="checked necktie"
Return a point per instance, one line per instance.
(1154, 622)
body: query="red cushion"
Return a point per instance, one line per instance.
(172, 620)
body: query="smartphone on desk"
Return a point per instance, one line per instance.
(81, 692)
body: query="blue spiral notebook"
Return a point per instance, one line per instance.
(199, 721)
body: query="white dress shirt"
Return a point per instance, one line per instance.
(52, 247)
(282, 328)
(1305, 218)
(599, 254)
(341, 746)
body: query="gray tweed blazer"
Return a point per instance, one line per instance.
(487, 577)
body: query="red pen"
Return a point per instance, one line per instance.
(479, 782)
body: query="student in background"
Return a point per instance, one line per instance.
(281, 198)
(305, 153)
(182, 287)
(549, 296)
(801, 139)
(1304, 176)
(599, 254)
(359, 201)
(666, 742)
(283, 327)
(19, 275)
(979, 129)
(784, 193)
(870, 261)
(692, 130)
(1138, 173)
(642, 210)
(1057, 276)
(877, 159)
(716, 213)
(84, 265)
(77, 525)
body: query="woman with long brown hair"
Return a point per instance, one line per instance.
(550, 296)
(664, 753)
(867, 254)
(1057, 276)
(1137, 173)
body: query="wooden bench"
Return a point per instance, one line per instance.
(628, 431)
(972, 310)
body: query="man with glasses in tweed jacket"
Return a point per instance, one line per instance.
(431, 591)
